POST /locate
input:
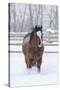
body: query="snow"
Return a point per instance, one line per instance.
(50, 30)
(21, 76)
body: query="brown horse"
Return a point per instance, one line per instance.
(33, 47)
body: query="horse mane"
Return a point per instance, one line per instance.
(32, 33)
(31, 36)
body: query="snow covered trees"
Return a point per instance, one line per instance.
(25, 16)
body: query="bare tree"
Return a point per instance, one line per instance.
(24, 16)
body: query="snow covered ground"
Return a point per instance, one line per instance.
(21, 76)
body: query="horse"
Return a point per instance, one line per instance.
(33, 48)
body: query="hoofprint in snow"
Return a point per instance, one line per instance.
(21, 76)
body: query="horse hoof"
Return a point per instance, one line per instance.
(38, 67)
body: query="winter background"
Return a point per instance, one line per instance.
(22, 17)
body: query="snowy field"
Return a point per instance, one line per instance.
(21, 76)
(22, 18)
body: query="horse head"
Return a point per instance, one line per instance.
(38, 31)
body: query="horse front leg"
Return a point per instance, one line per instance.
(39, 64)
(39, 67)
(28, 63)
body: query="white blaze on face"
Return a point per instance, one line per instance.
(39, 34)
